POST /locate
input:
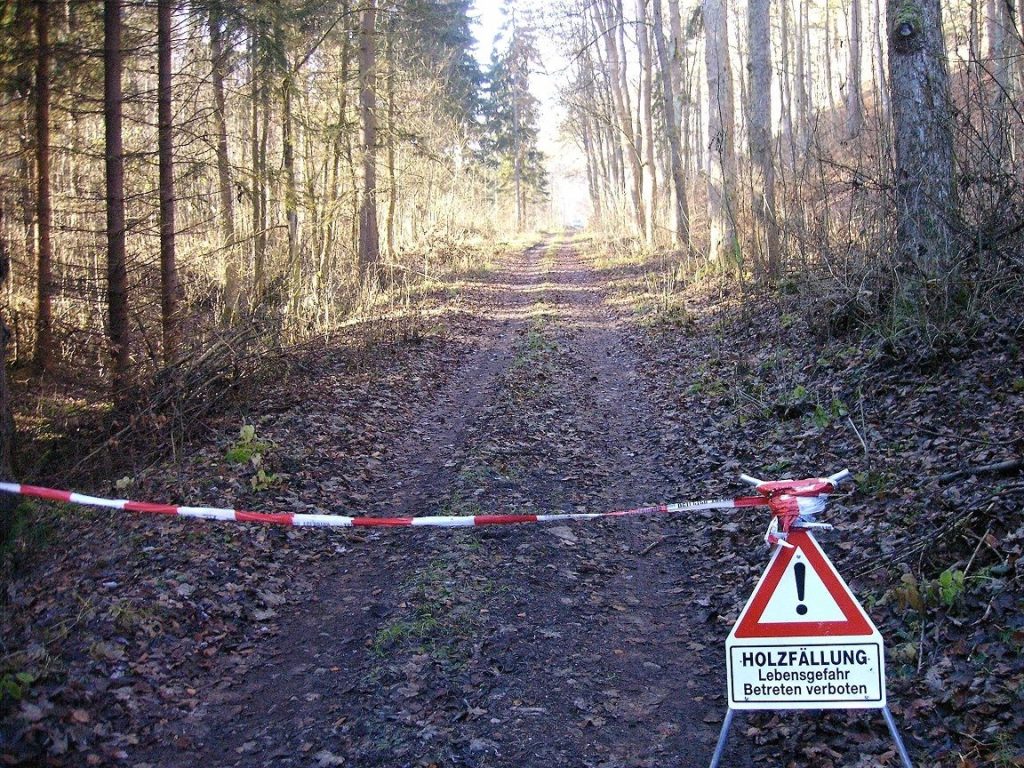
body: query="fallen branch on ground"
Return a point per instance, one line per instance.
(984, 469)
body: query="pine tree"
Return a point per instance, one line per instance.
(117, 271)
(510, 112)
(168, 266)
(44, 210)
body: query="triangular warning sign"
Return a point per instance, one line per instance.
(802, 595)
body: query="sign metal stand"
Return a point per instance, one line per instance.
(723, 736)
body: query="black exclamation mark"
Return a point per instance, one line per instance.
(798, 570)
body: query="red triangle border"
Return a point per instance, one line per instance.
(856, 624)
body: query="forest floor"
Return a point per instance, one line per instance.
(565, 377)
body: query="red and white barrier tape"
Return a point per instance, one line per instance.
(344, 521)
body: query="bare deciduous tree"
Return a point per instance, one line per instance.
(760, 135)
(919, 85)
(721, 185)
(646, 133)
(669, 84)
(854, 100)
(369, 240)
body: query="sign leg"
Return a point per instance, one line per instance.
(904, 757)
(722, 737)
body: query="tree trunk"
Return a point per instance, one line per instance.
(786, 91)
(8, 501)
(681, 233)
(676, 50)
(686, 117)
(802, 97)
(291, 201)
(44, 210)
(369, 241)
(973, 33)
(392, 178)
(650, 179)
(168, 268)
(608, 136)
(517, 148)
(740, 67)
(854, 102)
(259, 153)
(345, 136)
(698, 104)
(878, 39)
(117, 274)
(722, 156)
(827, 52)
(997, 19)
(1017, 35)
(592, 166)
(760, 135)
(999, 16)
(612, 32)
(218, 71)
(923, 141)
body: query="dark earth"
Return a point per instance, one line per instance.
(563, 377)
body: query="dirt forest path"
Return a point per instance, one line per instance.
(557, 378)
(582, 645)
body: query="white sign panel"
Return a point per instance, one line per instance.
(803, 641)
(806, 675)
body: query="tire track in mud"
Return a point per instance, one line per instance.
(310, 684)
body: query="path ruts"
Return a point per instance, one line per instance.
(582, 645)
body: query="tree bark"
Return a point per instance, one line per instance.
(346, 137)
(369, 240)
(997, 20)
(1017, 33)
(802, 97)
(681, 233)
(786, 91)
(258, 152)
(218, 71)
(44, 210)
(925, 195)
(760, 135)
(974, 32)
(517, 141)
(117, 274)
(650, 177)
(854, 101)
(676, 50)
(590, 154)
(721, 181)
(999, 14)
(878, 40)
(168, 268)
(740, 65)
(291, 196)
(828, 44)
(392, 178)
(8, 502)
